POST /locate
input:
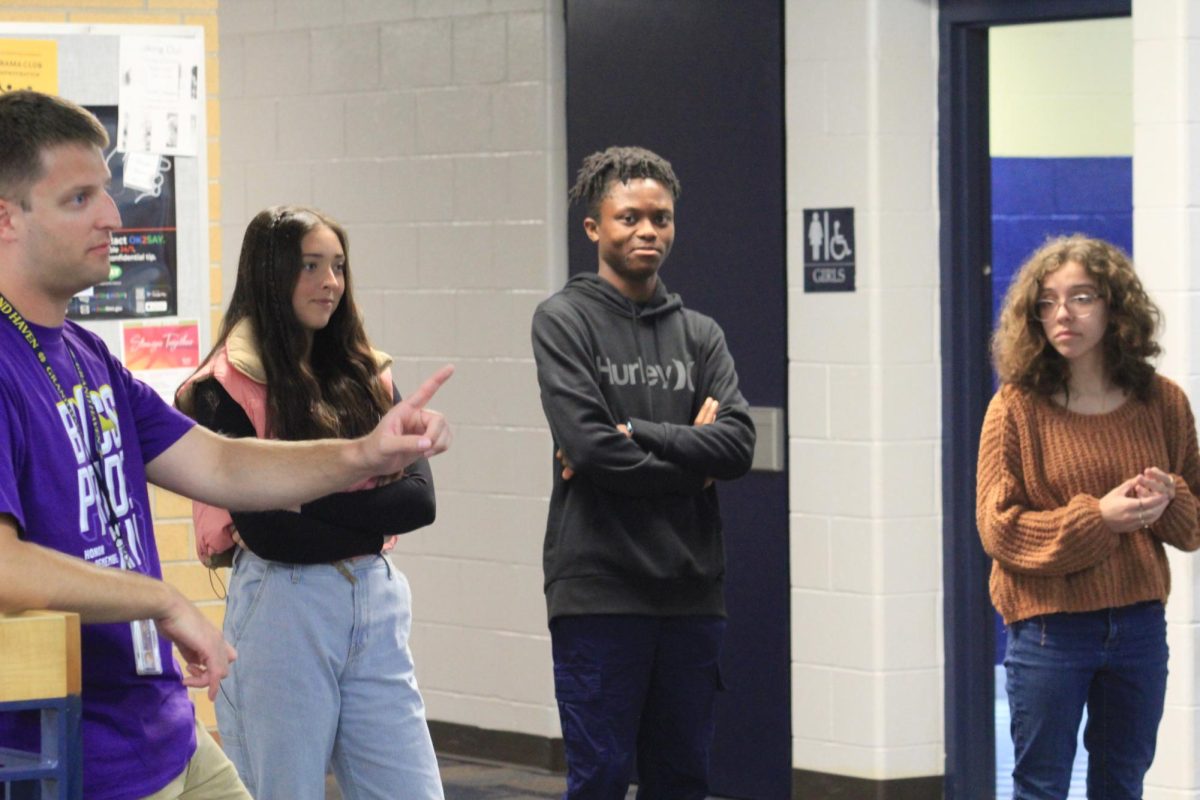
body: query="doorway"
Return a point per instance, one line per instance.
(973, 243)
(1051, 179)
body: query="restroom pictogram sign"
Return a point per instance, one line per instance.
(829, 250)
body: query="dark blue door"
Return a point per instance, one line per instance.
(701, 82)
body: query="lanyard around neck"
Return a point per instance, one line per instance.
(95, 459)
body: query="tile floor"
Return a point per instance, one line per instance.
(469, 779)
(466, 779)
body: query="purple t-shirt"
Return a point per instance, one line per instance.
(137, 730)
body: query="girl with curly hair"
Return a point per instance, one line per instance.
(318, 613)
(1086, 463)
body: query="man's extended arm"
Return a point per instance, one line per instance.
(32, 576)
(259, 475)
(337, 526)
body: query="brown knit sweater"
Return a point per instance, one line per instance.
(1042, 472)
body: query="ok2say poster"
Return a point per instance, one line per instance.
(143, 273)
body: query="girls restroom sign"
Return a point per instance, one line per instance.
(829, 250)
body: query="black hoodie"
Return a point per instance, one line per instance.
(635, 531)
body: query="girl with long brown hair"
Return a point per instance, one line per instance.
(319, 615)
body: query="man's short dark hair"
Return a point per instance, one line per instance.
(619, 164)
(31, 122)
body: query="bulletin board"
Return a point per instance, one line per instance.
(153, 310)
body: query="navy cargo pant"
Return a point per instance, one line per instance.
(631, 685)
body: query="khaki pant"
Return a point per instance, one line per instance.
(208, 776)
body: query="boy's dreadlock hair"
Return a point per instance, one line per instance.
(619, 164)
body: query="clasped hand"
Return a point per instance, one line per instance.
(1138, 502)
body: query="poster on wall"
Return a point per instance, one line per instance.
(143, 272)
(159, 95)
(161, 354)
(29, 64)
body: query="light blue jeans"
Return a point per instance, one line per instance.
(324, 677)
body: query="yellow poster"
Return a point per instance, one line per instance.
(29, 64)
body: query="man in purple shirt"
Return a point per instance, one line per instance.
(79, 438)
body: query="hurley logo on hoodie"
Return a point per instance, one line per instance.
(675, 376)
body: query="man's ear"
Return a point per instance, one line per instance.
(9, 213)
(592, 228)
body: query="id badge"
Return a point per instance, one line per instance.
(145, 647)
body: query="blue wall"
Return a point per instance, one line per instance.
(1035, 198)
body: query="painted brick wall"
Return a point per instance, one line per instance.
(1166, 198)
(1061, 88)
(172, 514)
(435, 132)
(864, 392)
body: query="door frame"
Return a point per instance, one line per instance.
(964, 190)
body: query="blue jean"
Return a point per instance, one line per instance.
(1115, 662)
(631, 684)
(324, 676)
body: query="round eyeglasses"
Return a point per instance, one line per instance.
(1079, 305)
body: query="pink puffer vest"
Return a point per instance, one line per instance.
(238, 368)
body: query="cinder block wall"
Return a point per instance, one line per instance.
(1166, 195)
(172, 514)
(864, 390)
(435, 131)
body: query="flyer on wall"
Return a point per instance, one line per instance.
(29, 64)
(161, 354)
(143, 274)
(159, 95)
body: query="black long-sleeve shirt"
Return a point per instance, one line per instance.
(334, 527)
